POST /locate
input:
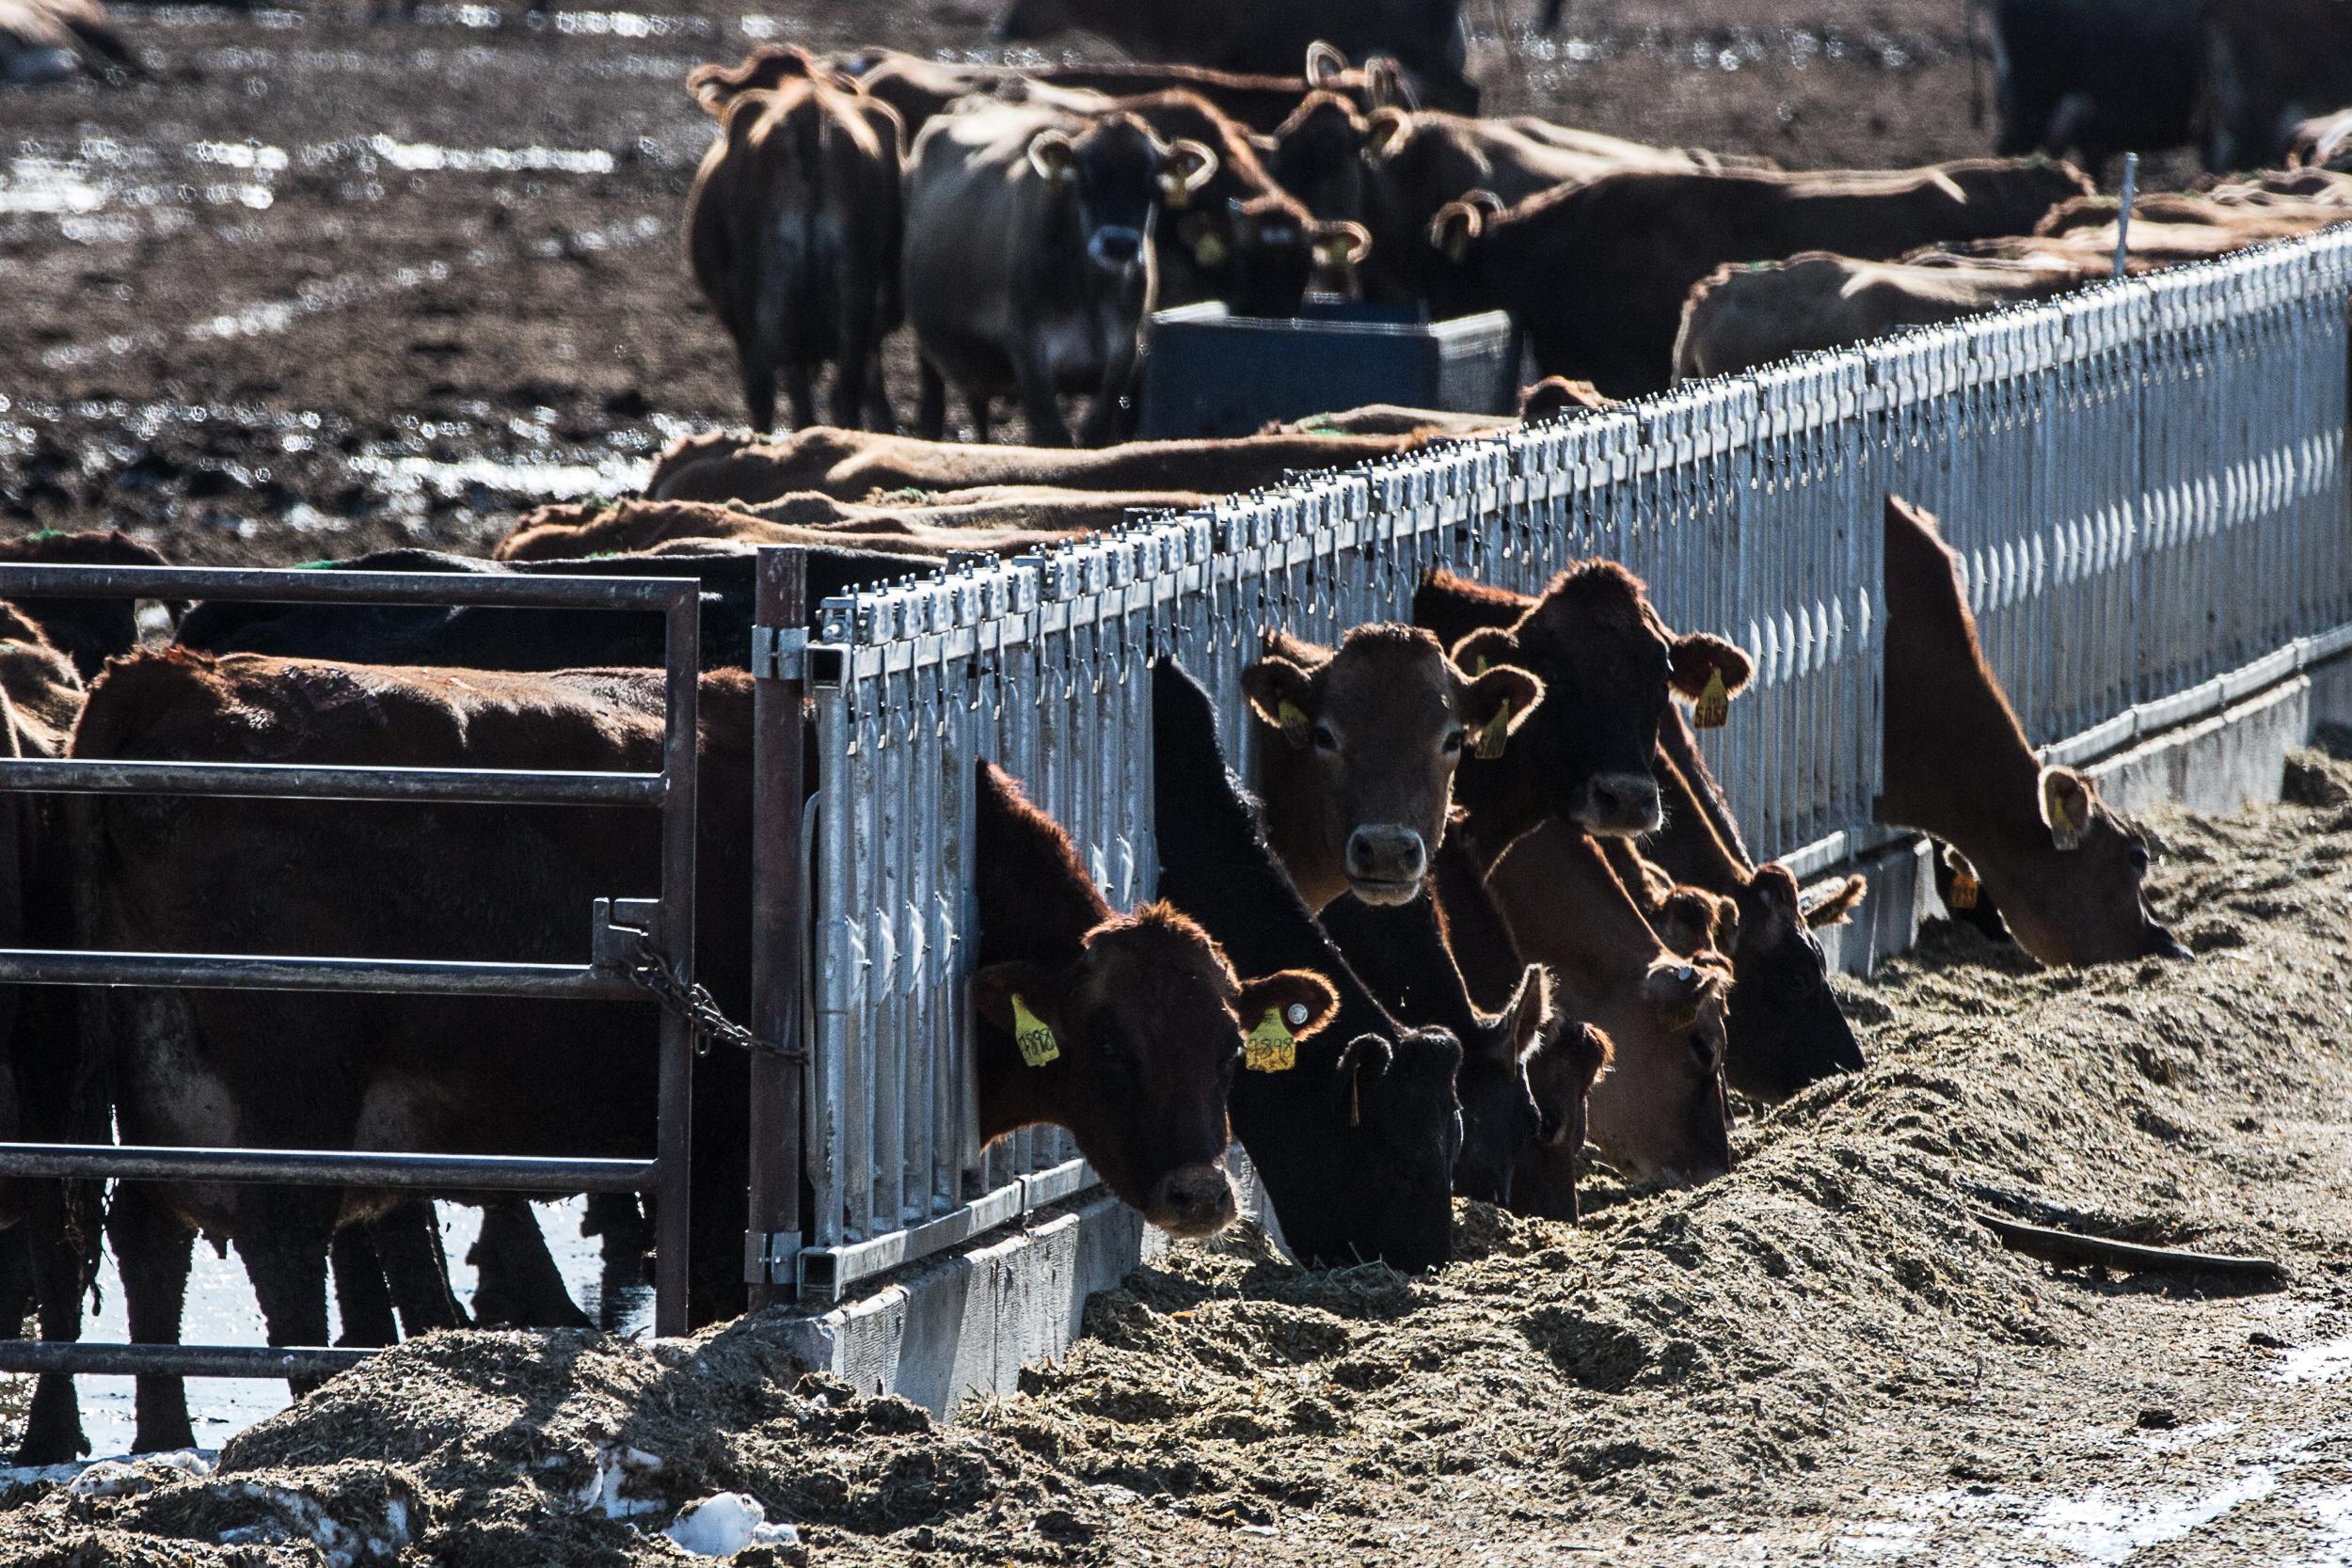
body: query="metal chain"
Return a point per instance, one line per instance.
(650, 973)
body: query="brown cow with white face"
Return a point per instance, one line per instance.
(1610, 665)
(2064, 866)
(1358, 769)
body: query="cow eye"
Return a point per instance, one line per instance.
(2139, 857)
(1452, 742)
(1325, 739)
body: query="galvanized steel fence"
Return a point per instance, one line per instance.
(2145, 482)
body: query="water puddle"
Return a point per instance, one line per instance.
(221, 1311)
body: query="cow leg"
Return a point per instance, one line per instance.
(62, 1259)
(760, 391)
(930, 411)
(802, 392)
(520, 1284)
(619, 1222)
(415, 1268)
(287, 1265)
(1040, 401)
(982, 424)
(153, 1250)
(880, 414)
(361, 1295)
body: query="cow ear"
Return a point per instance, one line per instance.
(2067, 803)
(1708, 670)
(1190, 166)
(1325, 63)
(1837, 906)
(1344, 243)
(1456, 225)
(1495, 702)
(1482, 650)
(1053, 155)
(1361, 1063)
(1386, 133)
(1385, 86)
(1300, 999)
(1530, 1012)
(994, 987)
(1281, 693)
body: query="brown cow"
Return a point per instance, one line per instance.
(1425, 37)
(1784, 1029)
(919, 87)
(2064, 867)
(1609, 668)
(793, 232)
(1134, 1009)
(2269, 66)
(1139, 1004)
(852, 464)
(1357, 749)
(49, 40)
(1596, 274)
(1393, 170)
(1008, 522)
(1749, 314)
(1029, 263)
(1659, 1113)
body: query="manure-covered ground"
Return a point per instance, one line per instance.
(1822, 1357)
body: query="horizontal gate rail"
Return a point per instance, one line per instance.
(2144, 482)
(43, 1357)
(668, 921)
(278, 781)
(501, 1173)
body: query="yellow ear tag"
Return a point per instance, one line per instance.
(1269, 1047)
(1207, 249)
(1294, 722)
(1966, 890)
(1712, 711)
(1496, 731)
(1034, 1036)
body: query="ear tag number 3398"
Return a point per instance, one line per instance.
(1270, 1047)
(1034, 1036)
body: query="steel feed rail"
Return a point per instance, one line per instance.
(2144, 481)
(669, 921)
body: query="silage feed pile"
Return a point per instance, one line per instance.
(1822, 1357)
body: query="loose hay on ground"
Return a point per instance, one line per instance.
(1745, 1351)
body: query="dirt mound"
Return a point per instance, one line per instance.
(1826, 1335)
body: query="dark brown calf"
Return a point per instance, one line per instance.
(1639, 242)
(1357, 751)
(1609, 666)
(2065, 867)
(1125, 1029)
(852, 464)
(793, 231)
(570, 533)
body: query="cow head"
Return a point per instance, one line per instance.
(1786, 1028)
(1460, 224)
(1134, 1045)
(764, 70)
(1610, 666)
(1119, 176)
(2079, 898)
(1659, 1114)
(1377, 729)
(1404, 1129)
(1562, 1076)
(1317, 156)
(1502, 1114)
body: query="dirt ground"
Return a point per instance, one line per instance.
(320, 286)
(1820, 1358)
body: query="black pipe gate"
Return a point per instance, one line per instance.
(667, 922)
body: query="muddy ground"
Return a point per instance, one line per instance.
(319, 285)
(1822, 1357)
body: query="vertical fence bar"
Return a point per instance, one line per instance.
(674, 1225)
(778, 943)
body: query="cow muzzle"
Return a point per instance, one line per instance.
(1620, 805)
(1116, 249)
(1386, 864)
(1193, 1200)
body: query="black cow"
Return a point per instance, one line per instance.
(2093, 78)
(1355, 1142)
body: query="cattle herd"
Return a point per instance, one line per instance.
(1482, 903)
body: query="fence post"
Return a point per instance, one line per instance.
(771, 1243)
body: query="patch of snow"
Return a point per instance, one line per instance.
(724, 1525)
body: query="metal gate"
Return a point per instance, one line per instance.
(614, 925)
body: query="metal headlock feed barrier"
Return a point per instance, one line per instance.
(616, 929)
(2145, 482)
